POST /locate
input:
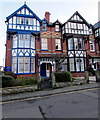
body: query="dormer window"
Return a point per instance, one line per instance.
(44, 25)
(57, 28)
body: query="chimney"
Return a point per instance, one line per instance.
(47, 16)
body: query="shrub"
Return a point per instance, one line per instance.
(7, 81)
(10, 73)
(23, 82)
(63, 76)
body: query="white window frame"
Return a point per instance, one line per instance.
(57, 28)
(33, 42)
(24, 40)
(44, 44)
(14, 64)
(58, 44)
(92, 46)
(15, 41)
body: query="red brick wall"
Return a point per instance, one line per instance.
(8, 52)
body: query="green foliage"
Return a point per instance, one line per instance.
(91, 72)
(10, 73)
(8, 81)
(63, 76)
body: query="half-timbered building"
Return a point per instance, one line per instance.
(75, 32)
(33, 44)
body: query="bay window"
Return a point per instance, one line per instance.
(24, 64)
(76, 64)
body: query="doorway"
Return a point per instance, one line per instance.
(46, 69)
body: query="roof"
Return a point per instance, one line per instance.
(97, 25)
(24, 6)
(57, 22)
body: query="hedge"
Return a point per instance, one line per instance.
(63, 76)
(9, 81)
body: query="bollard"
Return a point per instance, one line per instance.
(39, 82)
(53, 80)
(86, 76)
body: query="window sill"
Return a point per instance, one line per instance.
(92, 51)
(43, 50)
(24, 73)
(58, 50)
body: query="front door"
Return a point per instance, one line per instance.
(46, 69)
(43, 69)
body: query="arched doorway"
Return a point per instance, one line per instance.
(45, 69)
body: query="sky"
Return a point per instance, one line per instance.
(59, 9)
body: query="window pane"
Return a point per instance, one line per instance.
(80, 45)
(58, 44)
(82, 64)
(20, 65)
(71, 64)
(21, 40)
(18, 20)
(77, 60)
(57, 28)
(70, 44)
(14, 41)
(44, 43)
(27, 41)
(26, 64)
(33, 42)
(22, 20)
(92, 48)
(32, 64)
(14, 64)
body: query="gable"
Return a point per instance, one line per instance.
(24, 10)
(77, 18)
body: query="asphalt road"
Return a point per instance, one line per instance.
(77, 104)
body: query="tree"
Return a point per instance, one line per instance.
(59, 58)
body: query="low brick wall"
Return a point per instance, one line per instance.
(18, 89)
(78, 81)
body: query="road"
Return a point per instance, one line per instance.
(77, 104)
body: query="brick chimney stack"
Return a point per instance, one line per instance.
(47, 16)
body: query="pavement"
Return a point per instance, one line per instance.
(47, 92)
(36, 112)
